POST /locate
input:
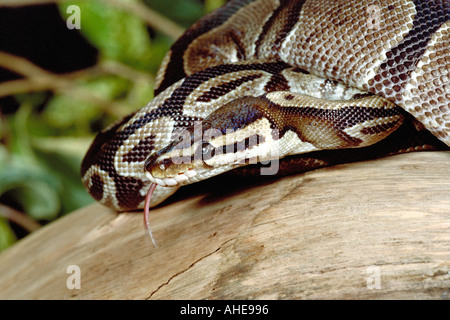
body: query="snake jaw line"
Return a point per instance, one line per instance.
(179, 179)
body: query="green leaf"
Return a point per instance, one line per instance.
(160, 46)
(38, 199)
(211, 5)
(117, 34)
(7, 237)
(140, 95)
(19, 133)
(64, 167)
(66, 112)
(3, 155)
(184, 12)
(30, 185)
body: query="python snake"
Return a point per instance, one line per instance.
(307, 83)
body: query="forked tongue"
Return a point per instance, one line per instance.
(148, 198)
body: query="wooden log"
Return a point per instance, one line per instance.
(369, 230)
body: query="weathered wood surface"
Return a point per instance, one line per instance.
(370, 230)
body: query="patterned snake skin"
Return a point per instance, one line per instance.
(319, 81)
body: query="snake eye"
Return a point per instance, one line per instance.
(150, 163)
(208, 151)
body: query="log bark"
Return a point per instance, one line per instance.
(370, 230)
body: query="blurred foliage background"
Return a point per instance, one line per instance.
(60, 86)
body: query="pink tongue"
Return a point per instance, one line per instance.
(146, 212)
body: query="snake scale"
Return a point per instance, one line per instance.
(306, 83)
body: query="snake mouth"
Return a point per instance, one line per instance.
(168, 168)
(181, 178)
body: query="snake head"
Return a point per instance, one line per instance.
(235, 135)
(178, 163)
(168, 167)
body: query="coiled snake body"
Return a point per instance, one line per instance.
(265, 80)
